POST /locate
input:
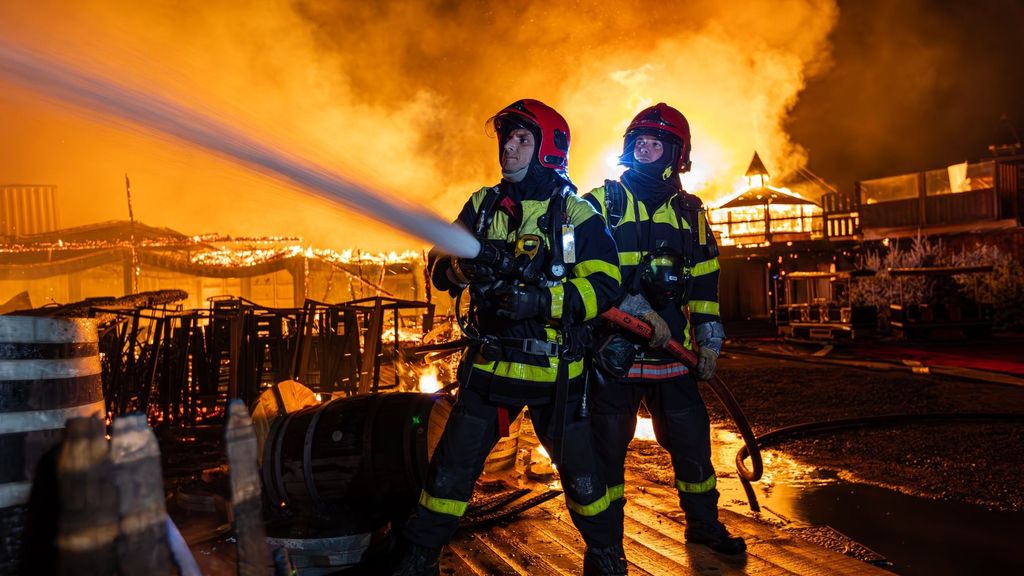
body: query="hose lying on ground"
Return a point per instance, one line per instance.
(807, 428)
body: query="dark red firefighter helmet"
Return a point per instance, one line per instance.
(548, 126)
(665, 123)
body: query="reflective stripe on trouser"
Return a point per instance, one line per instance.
(471, 432)
(680, 423)
(586, 492)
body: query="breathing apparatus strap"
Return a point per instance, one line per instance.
(555, 219)
(614, 202)
(687, 236)
(485, 215)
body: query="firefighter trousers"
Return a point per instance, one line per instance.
(471, 433)
(681, 426)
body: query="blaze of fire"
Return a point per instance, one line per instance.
(428, 380)
(391, 123)
(746, 225)
(644, 429)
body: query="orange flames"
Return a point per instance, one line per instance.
(644, 429)
(356, 87)
(428, 380)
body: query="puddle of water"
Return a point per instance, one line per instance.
(918, 535)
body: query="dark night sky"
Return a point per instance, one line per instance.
(914, 85)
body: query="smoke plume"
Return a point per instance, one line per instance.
(395, 95)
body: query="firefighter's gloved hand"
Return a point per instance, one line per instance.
(522, 302)
(706, 363)
(660, 332)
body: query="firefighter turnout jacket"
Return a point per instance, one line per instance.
(675, 224)
(526, 374)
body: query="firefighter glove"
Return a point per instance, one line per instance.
(660, 332)
(706, 363)
(615, 355)
(522, 302)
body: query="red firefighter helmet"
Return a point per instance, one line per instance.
(548, 126)
(667, 123)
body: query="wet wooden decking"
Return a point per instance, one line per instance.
(543, 542)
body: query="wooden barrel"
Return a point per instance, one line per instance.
(142, 544)
(88, 522)
(503, 455)
(357, 461)
(49, 372)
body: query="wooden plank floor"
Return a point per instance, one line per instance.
(544, 542)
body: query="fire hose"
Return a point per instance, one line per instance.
(636, 326)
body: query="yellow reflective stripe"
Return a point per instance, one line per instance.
(517, 371)
(588, 267)
(696, 487)
(666, 215)
(588, 296)
(702, 237)
(579, 210)
(592, 509)
(557, 299)
(629, 258)
(477, 198)
(705, 267)
(442, 506)
(617, 492)
(704, 307)
(599, 195)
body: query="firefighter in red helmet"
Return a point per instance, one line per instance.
(669, 263)
(546, 266)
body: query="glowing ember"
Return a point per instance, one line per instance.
(407, 335)
(428, 381)
(644, 429)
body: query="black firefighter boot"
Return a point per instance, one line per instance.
(610, 561)
(419, 561)
(703, 526)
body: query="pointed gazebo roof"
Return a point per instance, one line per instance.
(756, 167)
(767, 195)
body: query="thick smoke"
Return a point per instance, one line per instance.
(917, 85)
(395, 95)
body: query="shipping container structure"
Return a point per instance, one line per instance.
(27, 209)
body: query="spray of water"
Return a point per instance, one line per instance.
(56, 79)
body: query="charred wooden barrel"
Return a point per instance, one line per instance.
(357, 461)
(49, 372)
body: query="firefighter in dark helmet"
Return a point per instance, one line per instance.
(669, 262)
(547, 265)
